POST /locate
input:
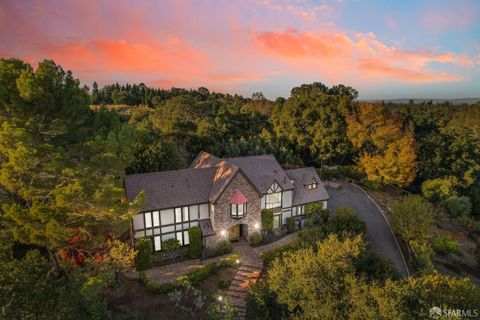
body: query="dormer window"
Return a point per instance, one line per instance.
(312, 185)
(292, 181)
(238, 205)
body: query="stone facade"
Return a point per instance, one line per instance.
(220, 211)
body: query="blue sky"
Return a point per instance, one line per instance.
(385, 49)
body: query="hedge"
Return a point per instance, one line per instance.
(143, 259)
(267, 219)
(195, 247)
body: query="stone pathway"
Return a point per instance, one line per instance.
(249, 271)
(251, 267)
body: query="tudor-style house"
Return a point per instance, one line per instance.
(224, 197)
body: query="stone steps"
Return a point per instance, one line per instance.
(237, 292)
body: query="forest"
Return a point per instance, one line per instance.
(65, 148)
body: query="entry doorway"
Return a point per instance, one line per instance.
(235, 233)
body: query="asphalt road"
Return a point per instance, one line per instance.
(379, 237)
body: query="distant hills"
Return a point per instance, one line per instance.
(435, 101)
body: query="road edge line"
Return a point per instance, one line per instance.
(388, 223)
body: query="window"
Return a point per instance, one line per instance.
(157, 243)
(276, 221)
(167, 217)
(148, 219)
(185, 214)
(312, 185)
(273, 200)
(156, 219)
(237, 211)
(178, 214)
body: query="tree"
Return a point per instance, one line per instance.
(439, 189)
(322, 113)
(310, 275)
(412, 218)
(458, 206)
(346, 221)
(387, 147)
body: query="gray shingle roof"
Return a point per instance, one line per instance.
(205, 160)
(208, 176)
(303, 176)
(262, 171)
(168, 189)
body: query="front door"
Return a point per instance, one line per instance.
(234, 233)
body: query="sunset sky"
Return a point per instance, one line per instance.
(407, 49)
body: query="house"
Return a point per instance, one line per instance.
(224, 197)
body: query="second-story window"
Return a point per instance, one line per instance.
(273, 199)
(237, 211)
(311, 185)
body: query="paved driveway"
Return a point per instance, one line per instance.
(378, 233)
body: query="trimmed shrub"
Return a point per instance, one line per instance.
(171, 247)
(195, 247)
(143, 259)
(230, 261)
(267, 220)
(458, 206)
(445, 245)
(256, 239)
(437, 190)
(290, 224)
(200, 274)
(224, 247)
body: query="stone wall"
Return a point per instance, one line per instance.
(220, 214)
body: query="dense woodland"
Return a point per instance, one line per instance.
(64, 149)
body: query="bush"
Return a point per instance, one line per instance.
(465, 222)
(156, 287)
(375, 267)
(374, 185)
(256, 239)
(445, 245)
(224, 284)
(222, 310)
(224, 247)
(422, 257)
(458, 206)
(195, 247)
(437, 190)
(290, 224)
(313, 233)
(143, 259)
(351, 172)
(328, 174)
(269, 256)
(200, 274)
(171, 247)
(267, 220)
(412, 218)
(230, 261)
(262, 303)
(346, 221)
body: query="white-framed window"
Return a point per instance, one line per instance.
(156, 218)
(157, 243)
(185, 214)
(276, 221)
(178, 214)
(148, 219)
(273, 200)
(237, 211)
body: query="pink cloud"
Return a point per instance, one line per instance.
(336, 51)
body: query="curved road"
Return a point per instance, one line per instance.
(379, 237)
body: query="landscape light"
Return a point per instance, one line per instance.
(220, 298)
(237, 261)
